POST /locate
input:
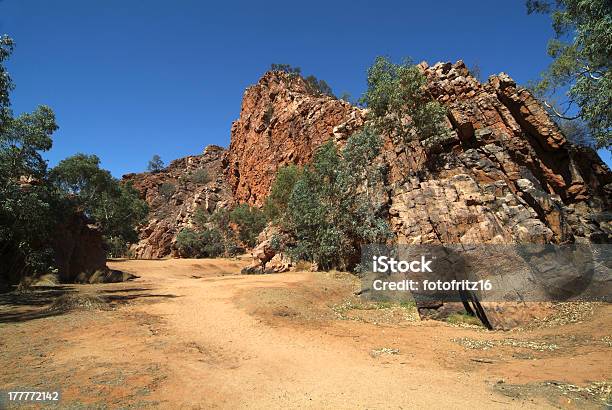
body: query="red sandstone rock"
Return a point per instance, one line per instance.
(171, 214)
(505, 174)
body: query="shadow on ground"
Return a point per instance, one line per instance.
(48, 301)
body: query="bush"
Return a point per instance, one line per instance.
(314, 86)
(286, 68)
(200, 176)
(331, 210)
(219, 222)
(188, 243)
(268, 114)
(250, 220)
(280, 192)
(166, 190)
(204, 244)
(116, 247)
(155, 164)
(400, 104)
(318, 87)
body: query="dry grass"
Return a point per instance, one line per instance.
(70, 302)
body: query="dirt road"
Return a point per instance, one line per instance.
(196, 334)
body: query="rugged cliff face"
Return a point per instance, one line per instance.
(281, 123)
(173, 196)
(505, 173)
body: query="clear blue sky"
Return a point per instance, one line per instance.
(128, 78)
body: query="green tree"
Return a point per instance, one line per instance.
(286, 68)
(399, 103)
(250, 220)
(218, 221)
(582, 53)
(6, 83)
(155, 164)
(314, 85)
(332, 210)
(211, 237)
(318, 87)
(27, 206)
(275, 205)
(116, 207)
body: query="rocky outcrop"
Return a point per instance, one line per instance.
(281, 123)
(174, 194)
(80, 256)
(506, 174)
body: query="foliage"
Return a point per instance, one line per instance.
(155, 164)
(286, 68)
(577, 132)
(116, 207)
(117, 247)
(27, 205)
(6, 84)
(331, 210)
(220, 220)
(188, 243)
(166, 190)
(212, 236)
(346, 96)
(476, 72)
(199, 244)
(250, 221)
(268, 114)
(314, 85)
(318, 87)
(34, 201)
(280, 192)
(582, 53)
(399, 103)
(200, 176)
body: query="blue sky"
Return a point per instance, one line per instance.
(128, 79)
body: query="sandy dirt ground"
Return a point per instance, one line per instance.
(191, 334)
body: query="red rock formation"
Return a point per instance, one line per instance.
(281, 123)
(505, 173)
(195, 181)
(79, 253)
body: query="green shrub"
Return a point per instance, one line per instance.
(331, 210)
(188, 243)
(200, 176)
(203, 244)
(318, 87)
(250, 220)
(399, 103)
(166, 190)
(155, 164)
(280, 192)
(218, 222)
(314, 86)
(268, 114)
(116, 246)
(286, 68)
